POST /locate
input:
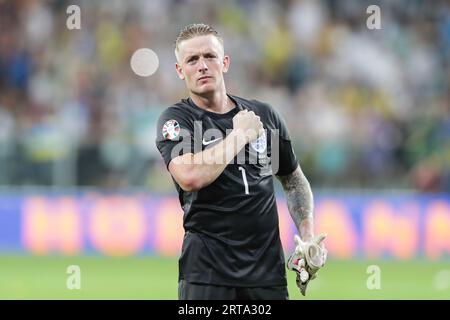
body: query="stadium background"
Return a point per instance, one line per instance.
(83, 184)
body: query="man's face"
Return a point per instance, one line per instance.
(201, 63)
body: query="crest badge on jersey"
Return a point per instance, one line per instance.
(171, 129)
(260, 144)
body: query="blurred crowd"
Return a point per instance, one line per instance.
(365, 108)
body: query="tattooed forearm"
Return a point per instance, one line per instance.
(299, 200)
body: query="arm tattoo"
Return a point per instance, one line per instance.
(299, 196)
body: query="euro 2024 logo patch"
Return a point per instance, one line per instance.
(260, 144)
(171, 129)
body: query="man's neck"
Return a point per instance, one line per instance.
(218, 102)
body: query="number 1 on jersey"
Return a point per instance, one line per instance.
(244, 177)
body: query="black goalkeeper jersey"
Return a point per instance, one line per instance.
(232, 235)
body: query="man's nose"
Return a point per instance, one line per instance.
(202, 66)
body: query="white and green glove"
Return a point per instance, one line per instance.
(307, 259)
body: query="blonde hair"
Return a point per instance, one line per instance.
(195, 30)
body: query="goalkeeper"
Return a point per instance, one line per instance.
(231, 247)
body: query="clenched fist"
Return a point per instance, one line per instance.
(248, 124)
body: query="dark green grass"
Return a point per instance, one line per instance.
(28, 277)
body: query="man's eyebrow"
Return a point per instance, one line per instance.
(190, 56)
(196, 55)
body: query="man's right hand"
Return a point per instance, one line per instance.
(247, 123)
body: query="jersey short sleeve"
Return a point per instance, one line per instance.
(287, 159)
(175, 132)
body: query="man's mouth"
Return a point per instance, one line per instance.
(204, 78)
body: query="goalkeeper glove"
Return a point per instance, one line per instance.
(307, 259)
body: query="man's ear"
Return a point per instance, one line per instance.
(179, 71)
(226, 64)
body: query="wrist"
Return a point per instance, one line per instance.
(306, 230)
(239, 137)
(306, 236)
